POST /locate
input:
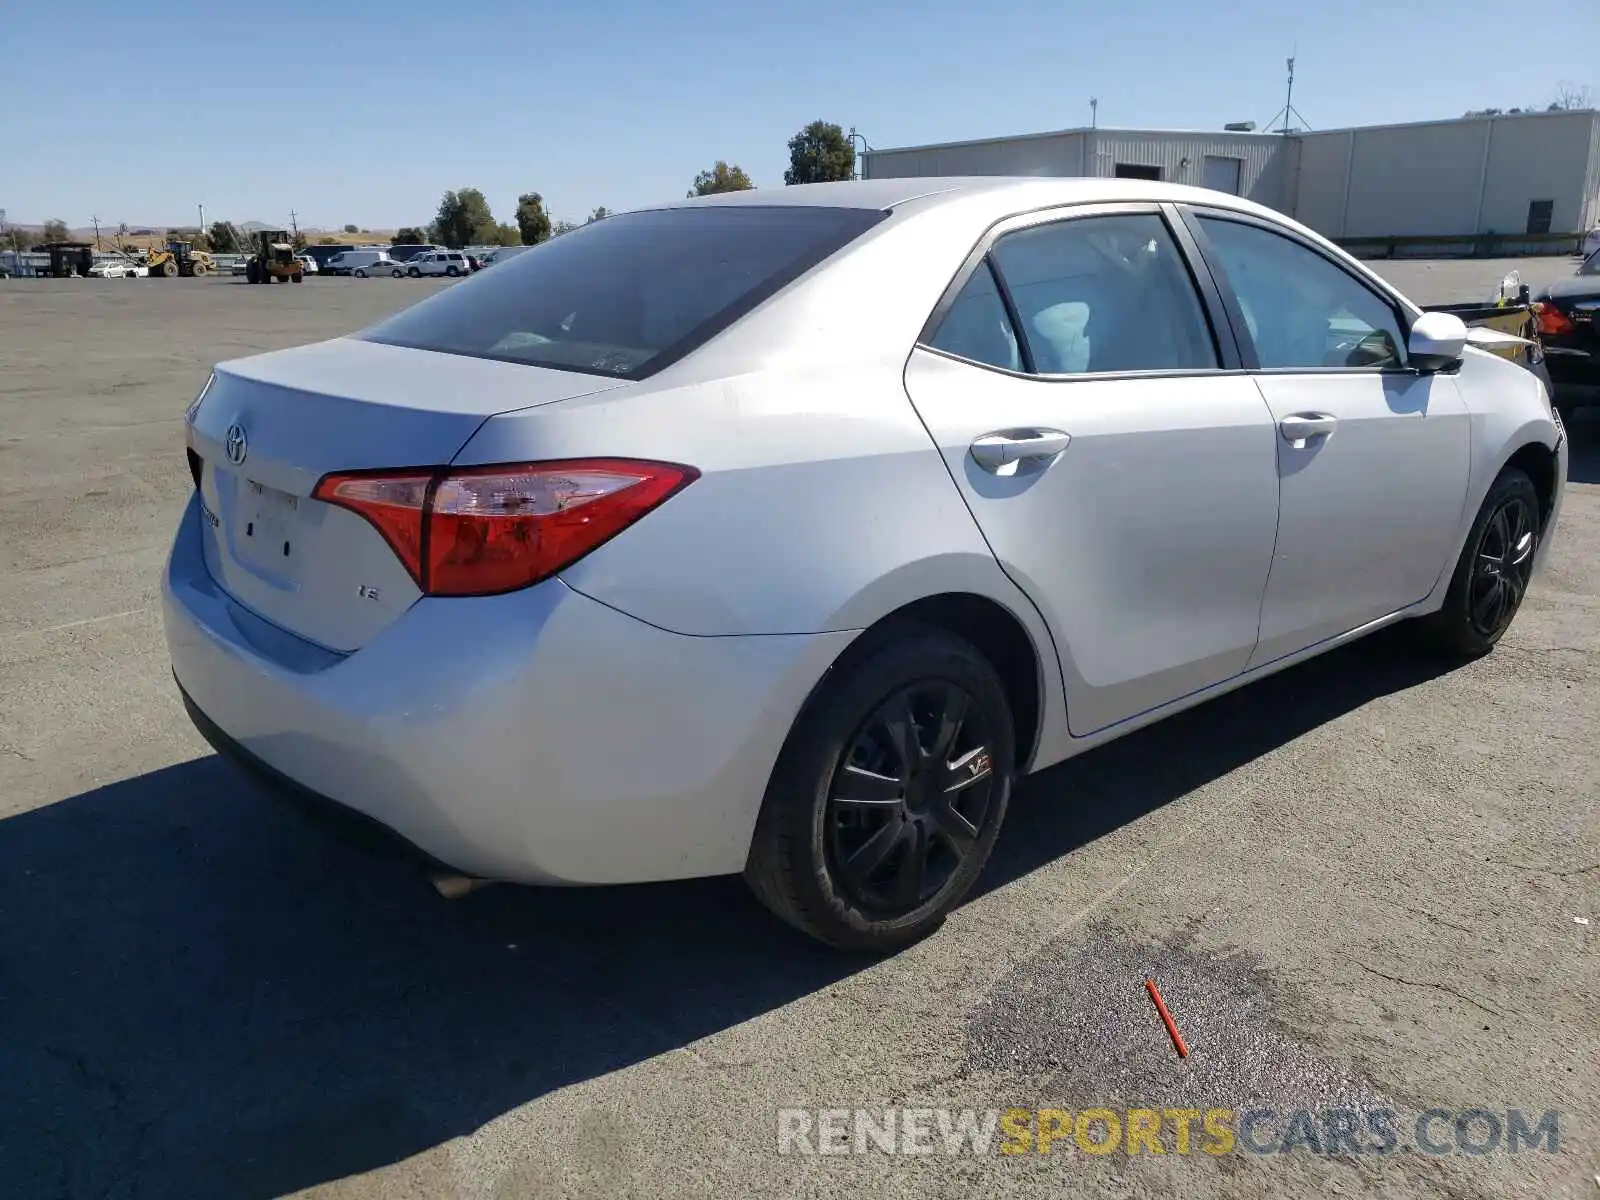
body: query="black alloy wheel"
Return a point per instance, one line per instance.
(909, 798)
(1491, 577)
(886, 801)
(1502, 566)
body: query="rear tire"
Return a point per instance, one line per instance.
(1492, 575)
(361, 273)
(451, 271)
(414, 273)
(880, 815)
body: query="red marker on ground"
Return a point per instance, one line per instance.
(1166, 1018)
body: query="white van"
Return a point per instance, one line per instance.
(351, 261)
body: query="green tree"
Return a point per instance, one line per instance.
(199, 241)
(533, 223)
(18, 239)
(409, 236)
(721, 178)
(352, 229)
(327, 241)
(222, 239)
(298, 241)
(561, 227)
(55, 230)
(464, 218)
(599, 214)
(820, 153)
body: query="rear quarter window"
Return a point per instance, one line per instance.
(626, 296)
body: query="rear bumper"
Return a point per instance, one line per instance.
(1571, 365)
(539, 737)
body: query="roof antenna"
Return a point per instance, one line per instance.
(1288, 110)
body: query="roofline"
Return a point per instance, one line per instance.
(1591, 113)
(1217, 133)
(1076, 129)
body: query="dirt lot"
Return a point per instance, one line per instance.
(1360, 885)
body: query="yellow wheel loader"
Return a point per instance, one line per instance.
(272, 258)
(179, 258)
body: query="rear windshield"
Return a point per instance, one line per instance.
(626, 295)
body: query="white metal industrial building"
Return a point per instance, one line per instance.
(1506, 184)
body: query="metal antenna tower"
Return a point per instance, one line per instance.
(1289, 112)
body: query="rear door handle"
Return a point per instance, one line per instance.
(1001, 453)
(1299, 429)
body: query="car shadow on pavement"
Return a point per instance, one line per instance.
(1085, 798)
(204, 993)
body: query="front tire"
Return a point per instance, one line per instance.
(414, 273)
(889, 793)
(1493, 572)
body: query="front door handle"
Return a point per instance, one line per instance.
(1299, 429)
(1003, 452)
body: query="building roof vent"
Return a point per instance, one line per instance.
(1240, 127)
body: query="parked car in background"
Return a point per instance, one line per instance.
(406, 251)
(117, 269)
(308, 264)
(779, 533)
(384, 268)
(438, 262)
(323, 253)
(241, 266)
(503, 254)
(1567, 311)
(351, 261)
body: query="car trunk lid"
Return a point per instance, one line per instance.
(270, 427)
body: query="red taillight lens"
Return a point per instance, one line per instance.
(394, 504)
(1552, 321)
(481, 530)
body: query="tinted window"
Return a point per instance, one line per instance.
(977, 327)
(629, 294)
(1301, 310)
(1105, 294)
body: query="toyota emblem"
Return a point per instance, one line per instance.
(235, 445)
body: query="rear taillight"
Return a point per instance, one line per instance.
(1552, 321)
(481, 530)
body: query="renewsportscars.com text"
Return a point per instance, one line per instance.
(1181, 1131)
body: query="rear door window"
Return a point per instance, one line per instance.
(1107, 293)
(977, 327)
(626, 296)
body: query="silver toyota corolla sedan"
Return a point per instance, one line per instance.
(779, 532)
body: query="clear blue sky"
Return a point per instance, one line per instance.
(381, 107)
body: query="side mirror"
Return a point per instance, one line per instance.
(1437, 340)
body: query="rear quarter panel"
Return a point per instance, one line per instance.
(823, 504)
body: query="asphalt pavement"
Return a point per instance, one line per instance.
(1369, 884)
